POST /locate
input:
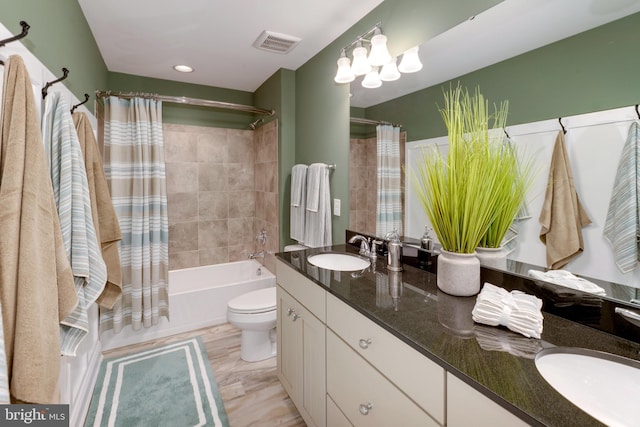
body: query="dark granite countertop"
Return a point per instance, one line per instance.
(493, 360)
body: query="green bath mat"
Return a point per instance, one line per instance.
(171, 385)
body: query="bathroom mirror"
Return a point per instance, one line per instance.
(457, 52)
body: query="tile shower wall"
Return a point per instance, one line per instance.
(221, 190)
(363, 182)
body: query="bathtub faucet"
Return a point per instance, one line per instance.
(257, 255)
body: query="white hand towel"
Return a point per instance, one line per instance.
(622, 226)
(318, 222)
(516, 310)
(298, 202)
(315, 174)
(565, 278)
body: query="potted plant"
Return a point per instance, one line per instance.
(463, 191)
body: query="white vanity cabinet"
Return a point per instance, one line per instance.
(375, 378)
(466, 407)
(301, 343)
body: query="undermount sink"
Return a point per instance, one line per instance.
(339, 261)
(605, 386)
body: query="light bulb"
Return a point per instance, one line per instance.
(360, 65)
(372, 79)
(379, 54)
(344, 73)
(410, 61)
(389, 71)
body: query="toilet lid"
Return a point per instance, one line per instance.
(255, 301)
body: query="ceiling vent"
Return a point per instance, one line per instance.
(275, 42)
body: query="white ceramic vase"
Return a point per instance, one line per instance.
(492, 257)
(458, 274)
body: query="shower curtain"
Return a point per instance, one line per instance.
(389, 206)
(135, 170)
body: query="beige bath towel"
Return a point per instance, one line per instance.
(562, 216)
(36, 284)
(105, 219)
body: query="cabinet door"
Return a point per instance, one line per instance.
(468, 407)
(301, 358)
(314, 367)
(289, 347)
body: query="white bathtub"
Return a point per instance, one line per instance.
(198, 298)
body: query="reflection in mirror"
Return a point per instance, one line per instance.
(364, 181)
(479, 43)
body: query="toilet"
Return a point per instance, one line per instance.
(255, 314)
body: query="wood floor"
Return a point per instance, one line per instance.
(251, 392)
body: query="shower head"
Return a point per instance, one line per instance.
(254, 124)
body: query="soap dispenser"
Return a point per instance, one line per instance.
(426, 247)
(394, 255)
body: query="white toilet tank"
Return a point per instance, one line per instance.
(291, 248)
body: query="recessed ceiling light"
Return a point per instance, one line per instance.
(183, 68)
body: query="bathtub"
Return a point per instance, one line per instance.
(198, 298)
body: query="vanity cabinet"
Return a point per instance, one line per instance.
(374, 378)
(301, 343)
(466, 407)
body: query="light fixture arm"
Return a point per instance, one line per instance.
(364, 37)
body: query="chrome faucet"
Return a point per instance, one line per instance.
(256, 255)
(365, 249)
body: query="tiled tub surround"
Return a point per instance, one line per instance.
(222, 190)
(440, 327)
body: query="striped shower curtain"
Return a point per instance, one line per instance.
(135, 170)
(389, 206)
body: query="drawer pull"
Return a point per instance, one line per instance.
(364, 344)
(295, 316)
(365, 408)
(290, 311)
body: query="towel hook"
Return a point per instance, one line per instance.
(25, 31)
(65, 73)
(564, 131)
(637, 112)
(86, 98)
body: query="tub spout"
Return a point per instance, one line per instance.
(256, 255)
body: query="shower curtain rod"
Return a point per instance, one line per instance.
(186, 100)
(372, 122)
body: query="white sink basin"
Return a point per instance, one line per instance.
(604, 385)
(339, 261)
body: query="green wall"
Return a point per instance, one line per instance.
(188, 114)
(322, 106)
(60, 37)
(278, 93)
(592, 71)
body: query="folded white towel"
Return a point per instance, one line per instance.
(298, 202)
(565, 278)
(318, 222)
(520, 312)
(315, 174)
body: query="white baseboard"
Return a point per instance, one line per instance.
(79, 408)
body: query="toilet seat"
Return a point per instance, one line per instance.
(254, 302)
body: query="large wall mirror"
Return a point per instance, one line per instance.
(505, 31)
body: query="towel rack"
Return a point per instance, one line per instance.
(86, 98)
(65, 73)
(25, 31)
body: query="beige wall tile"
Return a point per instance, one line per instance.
(242, 204)
(183, 236)
(182, 177)
(213, 205)
(182, 207)
(212, 177)
(213, 234)
(180, 260)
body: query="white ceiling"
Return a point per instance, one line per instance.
(215, 37)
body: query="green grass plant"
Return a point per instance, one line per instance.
(473, 193)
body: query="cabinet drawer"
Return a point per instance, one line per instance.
(311, 295)
(413, 373)
(354, 384)
(335, 417)
(466, 406)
